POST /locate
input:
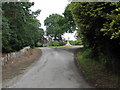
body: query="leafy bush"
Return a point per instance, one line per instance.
(39, 44)
(95, 72)
(56, 43)
(52, 43)
(73, 43)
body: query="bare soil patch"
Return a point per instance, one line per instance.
(18, 65)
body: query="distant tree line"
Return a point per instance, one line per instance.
(20, 27)
(98, 26)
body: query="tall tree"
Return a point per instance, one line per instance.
(99, 26)
(20, 26)
(69, 24)
(54, 26)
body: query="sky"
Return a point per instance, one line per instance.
(49, 7)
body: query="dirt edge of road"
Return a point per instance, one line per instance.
(17, 66)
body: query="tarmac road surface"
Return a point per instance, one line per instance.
(55, 69)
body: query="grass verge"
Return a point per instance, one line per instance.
(95, 73)
(18, 65)
(58, 46)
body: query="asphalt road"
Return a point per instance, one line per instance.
(55, 69)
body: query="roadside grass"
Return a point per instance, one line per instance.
(58, 46)
(95, 73)
(63, 46)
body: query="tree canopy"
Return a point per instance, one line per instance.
(98, 26)
(54, 26)
(20, 27)
(57, 25)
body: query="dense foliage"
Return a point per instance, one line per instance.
(57, 25)
(99, 28)
(69, 22)
(75, 42)
(54, 29)
(20, 27)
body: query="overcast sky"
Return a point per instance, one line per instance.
(48, 7)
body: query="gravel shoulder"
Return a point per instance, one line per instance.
(16, 67)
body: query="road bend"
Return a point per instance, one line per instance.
(55, 69)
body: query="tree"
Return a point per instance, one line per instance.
(69, 25)
(20, 26)
(54, 26)
(99, 26)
